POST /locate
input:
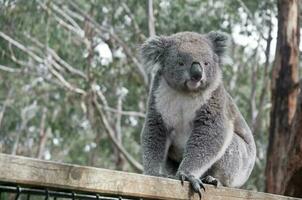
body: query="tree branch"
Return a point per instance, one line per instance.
(63, 81)
(122, 112)
(116, 38)
(21, 47)
(266, 79)
(65, 15)
(136, 165)
(9, 69)
(135, 25)
(52, 52)
(250, 14)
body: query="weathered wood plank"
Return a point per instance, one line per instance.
(22, 170)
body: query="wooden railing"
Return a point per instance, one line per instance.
(32, 172)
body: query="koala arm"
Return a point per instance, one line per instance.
(208, 141)
(154, 143)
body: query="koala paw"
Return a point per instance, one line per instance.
(211, 180)
(196, 183)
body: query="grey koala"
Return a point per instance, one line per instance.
(193, 129)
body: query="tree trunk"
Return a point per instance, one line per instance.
(43, 135)
(284, 161)
(293, 177)
(151, 25)
(119, 161)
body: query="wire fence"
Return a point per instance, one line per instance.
(9, 191)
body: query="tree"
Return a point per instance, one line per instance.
(284, 160)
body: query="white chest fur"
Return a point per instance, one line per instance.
(178, 110)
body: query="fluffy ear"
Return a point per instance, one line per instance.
(220, 42)
(152, 51)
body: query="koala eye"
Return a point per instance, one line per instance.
(206, 63)
(180, 63)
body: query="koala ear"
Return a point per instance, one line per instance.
(152, 51)
(220, 42)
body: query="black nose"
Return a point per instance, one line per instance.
(196, 72)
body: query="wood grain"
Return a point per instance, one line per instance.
(23, 170)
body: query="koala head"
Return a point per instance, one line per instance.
(189, 62)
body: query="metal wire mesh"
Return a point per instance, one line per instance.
(10, 191)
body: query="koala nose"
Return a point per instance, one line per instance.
(196, 72)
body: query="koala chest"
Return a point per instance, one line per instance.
(178, 115)
(178, 112)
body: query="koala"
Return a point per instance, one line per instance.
(193, 130)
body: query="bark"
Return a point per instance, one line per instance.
(283, 163)
(294, 167)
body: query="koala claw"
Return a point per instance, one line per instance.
(210, 180)
(182, 179)
(196, 183)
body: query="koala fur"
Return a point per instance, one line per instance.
(193, 128)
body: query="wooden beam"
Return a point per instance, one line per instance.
(29, 171)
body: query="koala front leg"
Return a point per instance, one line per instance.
(154, 144)
(207, 143)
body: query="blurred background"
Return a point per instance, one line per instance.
(73, 88)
